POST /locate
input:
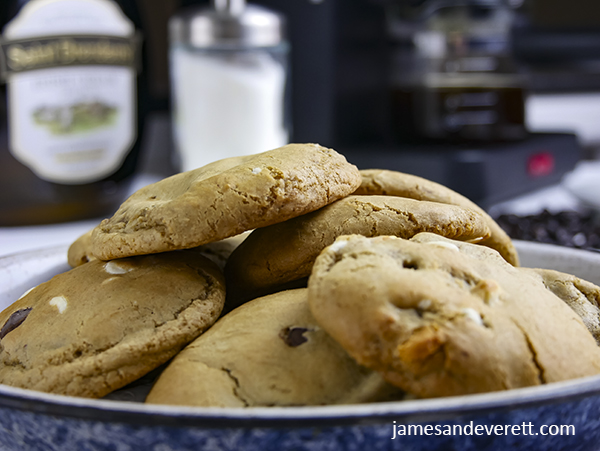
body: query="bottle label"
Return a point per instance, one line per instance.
(71, 96)
(45, 52)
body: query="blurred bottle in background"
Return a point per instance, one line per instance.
(71, 110)
(459, 81)
(229, 78)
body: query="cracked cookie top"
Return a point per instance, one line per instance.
(225, 198)
(582, 296)
(283, 253)
(268, 352)
(439, 317)
(97, 327)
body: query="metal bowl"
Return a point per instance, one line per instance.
(558, 416)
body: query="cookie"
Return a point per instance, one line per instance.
(268, 352)
(439, 317)
(283, 253)
(393, 183)
(80, 251)
(582, 296)
(225, 198)
(218, 252)
(101, 325)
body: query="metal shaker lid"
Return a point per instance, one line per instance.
(227, 23)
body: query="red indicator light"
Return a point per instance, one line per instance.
(540, 164)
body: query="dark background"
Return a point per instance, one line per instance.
(341, 50)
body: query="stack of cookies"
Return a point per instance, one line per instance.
(292, 278)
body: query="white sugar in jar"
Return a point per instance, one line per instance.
(229, 81)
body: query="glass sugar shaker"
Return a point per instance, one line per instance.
(229, 81)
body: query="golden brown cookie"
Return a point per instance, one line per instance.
(101, 325)
(80, 251)
(394, 183)
(218, 252)
(582, 296)
(225, 198)
(283, 253)
(439, 317)
(268, 352)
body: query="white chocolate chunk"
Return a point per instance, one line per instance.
(445, 244)
(26, 293)
(424, 304)
(114, 267)
(473, 315)
(338, 245)
(256, 170)
(60, 302)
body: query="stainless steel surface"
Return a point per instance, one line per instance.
(227, 23)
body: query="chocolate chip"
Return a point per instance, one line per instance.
(14, 321)
(293, 336)
(565, 228)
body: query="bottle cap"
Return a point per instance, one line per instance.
(227, 23)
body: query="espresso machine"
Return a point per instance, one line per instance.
(435, 88)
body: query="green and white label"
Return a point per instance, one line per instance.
(70, 67)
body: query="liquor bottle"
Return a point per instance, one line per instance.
(71, 108)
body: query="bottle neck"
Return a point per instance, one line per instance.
(230, 7)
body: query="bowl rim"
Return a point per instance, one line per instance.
(424, 410)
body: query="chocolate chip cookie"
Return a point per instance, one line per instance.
(582, 296)
(281, 254)
(225, 198)
(439, 317)
(218, 252)
(268, 352)
(394, 183)
(80, 251)
(102, 325)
